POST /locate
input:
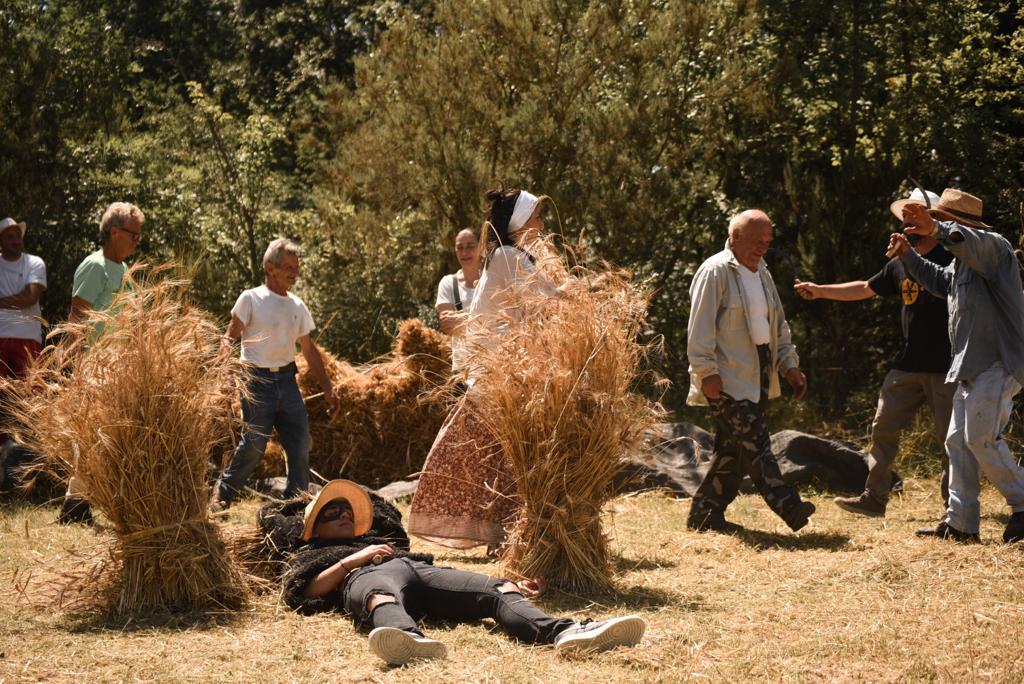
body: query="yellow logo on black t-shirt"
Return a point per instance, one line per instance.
(909, 290)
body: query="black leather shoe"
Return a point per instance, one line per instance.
(944, 531)
(75, 510)
(798, 518)
(712, 522)
(1014, 531)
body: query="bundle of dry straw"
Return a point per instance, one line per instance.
(389, 413)
(557, 392)
(132, 414)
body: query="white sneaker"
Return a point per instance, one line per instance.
(397, 647)
(591, 636)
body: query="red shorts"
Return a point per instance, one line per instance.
(16, 354)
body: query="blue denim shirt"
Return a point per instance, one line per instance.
(986, 301)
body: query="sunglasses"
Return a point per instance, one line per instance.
(334, 510)
(136, 236)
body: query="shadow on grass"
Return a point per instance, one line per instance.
(759, 540)
(621, 599)
(623, 564)
(85, 622)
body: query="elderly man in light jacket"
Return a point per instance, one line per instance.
(737, 343)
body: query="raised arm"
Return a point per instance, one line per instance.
(934, 278)
(853, 291)
(983, 252)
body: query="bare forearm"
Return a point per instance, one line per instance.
(24, 299)
(316, 364)
(18, 301)
(79, 309)
(853, 291)
(330, 579)
(334, 576)
(448, 319)
(446, 324)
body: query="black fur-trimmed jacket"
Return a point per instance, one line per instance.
(282, 525)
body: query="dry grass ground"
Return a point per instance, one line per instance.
(848, 599)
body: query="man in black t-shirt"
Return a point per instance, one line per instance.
(919, 375)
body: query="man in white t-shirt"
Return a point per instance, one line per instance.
(738, 343)
(22, 282)
(455, 294)
(269, 320)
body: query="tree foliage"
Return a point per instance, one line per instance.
(369, 129)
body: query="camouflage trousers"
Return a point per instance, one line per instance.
(743, 447)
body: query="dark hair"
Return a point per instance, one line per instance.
(503, 203)
(495, 230)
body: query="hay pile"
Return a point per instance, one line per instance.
(389, 415)
(132, 414)
(557, 391)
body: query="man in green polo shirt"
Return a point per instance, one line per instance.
(98, 278)
(97, 281)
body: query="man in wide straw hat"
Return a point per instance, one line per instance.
(986, 310)
(351, 555)
(917, 377)
(738, 342)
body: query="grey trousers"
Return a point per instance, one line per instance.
(901, 397)
(981, 410)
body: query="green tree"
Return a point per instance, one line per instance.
(62, 73)
(860, 96)
(612, 109)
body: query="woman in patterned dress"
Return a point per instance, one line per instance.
(466, 496)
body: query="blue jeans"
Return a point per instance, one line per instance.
(981, 409)
(275, 402)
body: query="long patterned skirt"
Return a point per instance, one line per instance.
(466, 496)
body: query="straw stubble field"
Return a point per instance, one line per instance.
(848, 599)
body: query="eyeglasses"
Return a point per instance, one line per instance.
(334, 510)
(136, 235)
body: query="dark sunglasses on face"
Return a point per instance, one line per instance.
(334, 510)
(134, 236)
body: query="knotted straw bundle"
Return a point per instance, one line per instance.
(132, 414)
(557, 392)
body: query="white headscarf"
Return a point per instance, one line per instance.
(521, 213)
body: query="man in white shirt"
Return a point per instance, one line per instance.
(22, 282)
(269, 320)
(455, 294)
(738, 342)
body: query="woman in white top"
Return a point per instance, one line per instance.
(465, 496)
(455, 294)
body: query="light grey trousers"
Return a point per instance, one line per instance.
(981, 410)
(901, 397)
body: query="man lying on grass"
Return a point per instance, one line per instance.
(351, 555)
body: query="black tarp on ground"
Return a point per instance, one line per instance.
(680, 454)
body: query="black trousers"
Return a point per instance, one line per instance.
(743, 447)
(423, 591)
